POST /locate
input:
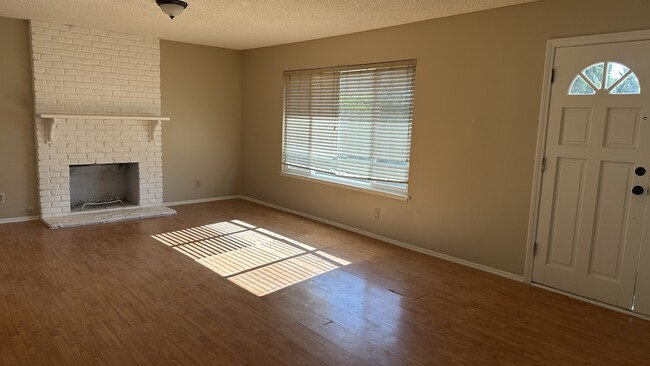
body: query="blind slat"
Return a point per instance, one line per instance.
(350, 123)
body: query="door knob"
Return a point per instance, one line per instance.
(640, 171)
(637, 190)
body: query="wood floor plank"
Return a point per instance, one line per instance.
(150, 292)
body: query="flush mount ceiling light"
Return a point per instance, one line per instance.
(173, 8)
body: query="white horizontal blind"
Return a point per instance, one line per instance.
(350, 122)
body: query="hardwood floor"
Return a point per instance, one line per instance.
(233, 282)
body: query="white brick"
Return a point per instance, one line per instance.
(60, 39)
(62, 89)
(50, 199)
(68, 34)
(83, 54)
(89, 37)
(49, 175)
(115, 155)
(86, 139)
(63, 77)
(103, 44)
(103, 138)
(71, 47)
(50, 211)
(62, 52)
(35, 28)
(54, 71)
(52, 32)
(42, 63)
(70, 58)
(39, 51)
(41, 37)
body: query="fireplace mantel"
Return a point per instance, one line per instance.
(52, 119)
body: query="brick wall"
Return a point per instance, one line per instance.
(83, 71)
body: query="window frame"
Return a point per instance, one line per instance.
(398, 191)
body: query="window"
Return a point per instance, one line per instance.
(616, 78)
(350, 125)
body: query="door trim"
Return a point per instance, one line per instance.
(551, 47)
(593, 302)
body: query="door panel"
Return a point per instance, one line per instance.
(566, 213)
(590, 228)
(611, 219)
(622, 128)
(576, 126)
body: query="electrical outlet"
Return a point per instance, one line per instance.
(197, 184)
(376, 213)
(2, 198)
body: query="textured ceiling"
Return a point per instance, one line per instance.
(243, 24)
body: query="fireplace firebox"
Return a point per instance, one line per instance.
(101, 186)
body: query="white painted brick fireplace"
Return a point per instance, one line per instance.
(97, 101)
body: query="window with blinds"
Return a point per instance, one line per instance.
(350, 125)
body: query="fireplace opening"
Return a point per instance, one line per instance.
(103, 186)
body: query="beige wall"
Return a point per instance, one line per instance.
(201, 92)
(17, 149)
(478, 90)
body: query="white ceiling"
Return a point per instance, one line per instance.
(243, 24)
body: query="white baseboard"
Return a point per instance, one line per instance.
(201, 200)
(18, 219)
(429, 252)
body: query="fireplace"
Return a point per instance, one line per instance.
(100, 186)
(98, 125)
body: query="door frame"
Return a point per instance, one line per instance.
(551, 47)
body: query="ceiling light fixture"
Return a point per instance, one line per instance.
(173, 8)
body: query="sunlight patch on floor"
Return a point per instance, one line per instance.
(254, 258)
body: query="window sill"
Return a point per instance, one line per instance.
(336, 183)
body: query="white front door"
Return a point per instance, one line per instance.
(595, 184)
